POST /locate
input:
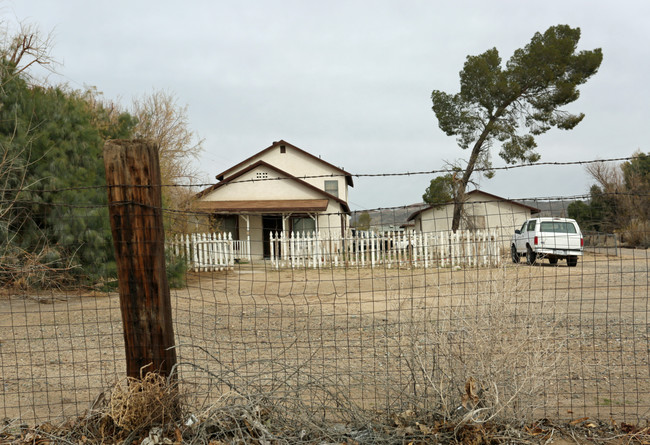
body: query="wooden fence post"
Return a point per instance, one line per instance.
(135, 210)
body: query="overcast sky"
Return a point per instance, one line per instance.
(350, 80)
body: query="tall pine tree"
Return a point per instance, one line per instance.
(54, 214)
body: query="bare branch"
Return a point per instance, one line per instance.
(163, 120)
(24, 49)
(607, 175)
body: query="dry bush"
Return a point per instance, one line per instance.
(236, 418)
(636, 233)
(145, 410)
(40, 269)
(137, 404)
(482, 361)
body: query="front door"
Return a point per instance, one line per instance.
(270, 224)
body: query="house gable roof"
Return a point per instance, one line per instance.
(287, 176)
(476, 192)
(224, 175)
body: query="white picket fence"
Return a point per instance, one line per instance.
(217, 251)
(206, 251)
(394, 249)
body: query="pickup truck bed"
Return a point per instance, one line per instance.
(545, 237)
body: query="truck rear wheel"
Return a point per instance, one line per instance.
(514, 254)
(530, 256)
(572, 261)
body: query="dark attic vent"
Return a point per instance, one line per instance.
(283, 149)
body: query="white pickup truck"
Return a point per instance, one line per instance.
(546, 237)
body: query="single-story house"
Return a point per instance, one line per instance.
(481, 210)
(281, 189)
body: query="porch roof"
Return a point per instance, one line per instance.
(256, 206)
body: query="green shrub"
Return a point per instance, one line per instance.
(176, 270)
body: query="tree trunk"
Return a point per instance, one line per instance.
(135, 210)
(459, 196)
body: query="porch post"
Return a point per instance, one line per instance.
(284, 222)
(314, 216)
(248, 236)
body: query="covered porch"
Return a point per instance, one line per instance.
(252, 223)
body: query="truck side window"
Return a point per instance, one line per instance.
(523, 228)
(531, 225)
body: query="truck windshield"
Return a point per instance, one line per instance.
(558, 227)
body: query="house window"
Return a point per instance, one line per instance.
(303, 224)
(283, 149)
(227, 224)
(332, 187)
(261, 175)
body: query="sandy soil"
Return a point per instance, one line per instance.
(338, 340)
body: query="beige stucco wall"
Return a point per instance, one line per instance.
(505, 217)
(330, 221)
(301, 166)
(248, 187)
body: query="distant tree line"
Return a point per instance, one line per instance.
(619, 201)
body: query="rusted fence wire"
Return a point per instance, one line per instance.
(498, 339)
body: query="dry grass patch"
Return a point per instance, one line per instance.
(484, 360)
(136, 404)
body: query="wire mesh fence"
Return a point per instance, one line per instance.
(347, 340)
